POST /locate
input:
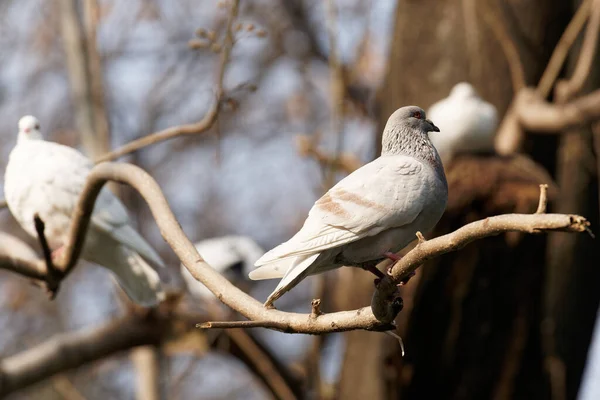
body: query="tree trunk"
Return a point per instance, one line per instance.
(474, 331)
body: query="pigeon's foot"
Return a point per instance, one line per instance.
(372, 269)
(392, 256)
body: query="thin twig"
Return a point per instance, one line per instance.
(53, 275)
(237, 324)
(543, 203)
(189, 129)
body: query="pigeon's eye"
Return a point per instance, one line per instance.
(37, 127)
(417, 114)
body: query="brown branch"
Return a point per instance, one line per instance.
(201, 126)
(586, 54)
(249, 307)
(511, 132)
(562, 49)
(53, 275)
(71, 350)
(527, 223)
(543, 204)
(539, 116)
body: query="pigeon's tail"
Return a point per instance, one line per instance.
(296, 269)
(136, 277)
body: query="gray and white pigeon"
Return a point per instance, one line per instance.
(468, 122)
(233, 256)
(46, 178)
(370, 214)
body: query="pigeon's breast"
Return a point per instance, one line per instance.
(30, 190)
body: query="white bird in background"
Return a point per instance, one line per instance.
(46, 178)
(232, 256)
(371, 213)
(467, 122)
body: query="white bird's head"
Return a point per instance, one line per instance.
(463, 90)
(29, 128)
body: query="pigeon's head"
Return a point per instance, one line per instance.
(463, 90)
(411, 117)
(406, 131)
(29, 128)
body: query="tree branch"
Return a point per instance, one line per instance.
(562, 49)
(250, 308)
(71, 350)
(189, 129)
(538, 116)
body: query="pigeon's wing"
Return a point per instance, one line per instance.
(380, 195)
(66, 178)
(110, 217)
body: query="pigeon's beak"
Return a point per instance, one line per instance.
(433, 127)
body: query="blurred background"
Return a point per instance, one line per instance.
(302, 99)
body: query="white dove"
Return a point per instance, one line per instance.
(46, 178)
(371, 213)
(232, 256)
(468, 122)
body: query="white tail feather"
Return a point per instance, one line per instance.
(298, 270)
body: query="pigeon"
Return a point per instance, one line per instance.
(370, 214)
(467, 121)
(46, 178)
(232, 256)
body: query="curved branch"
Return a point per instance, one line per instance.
(537, 115)
(562, 49)
(250, 308)
(189, 129)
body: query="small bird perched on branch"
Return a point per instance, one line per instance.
(468, 122)
(232, 256)
(370, 214)
(46, 179)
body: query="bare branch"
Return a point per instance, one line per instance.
(71, 350)
(562, 49)
(189, 129)
(527, 223)
(539, 116)
(249, 307)
(543, 204)
(587, 52)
